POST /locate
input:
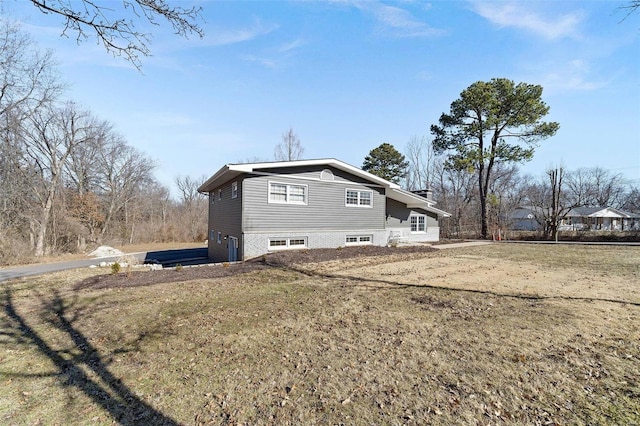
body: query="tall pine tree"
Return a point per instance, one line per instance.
(386, 162)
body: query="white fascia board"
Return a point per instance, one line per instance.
(229, 171)
(414, 201)
(341, 165)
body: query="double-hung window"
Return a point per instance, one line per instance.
(357, 198)
(286, 193)
(418, 223)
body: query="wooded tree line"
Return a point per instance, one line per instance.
(471, 164)
(67, 178)
(456, 191)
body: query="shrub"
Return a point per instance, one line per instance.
(115, 268)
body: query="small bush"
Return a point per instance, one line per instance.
(115, 268)
(179, 267)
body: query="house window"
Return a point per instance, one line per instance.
(284, 193)
(219, 237)
(212, 235)
(355, 198)
(353, 240)
(287, 243)
(234, 190)
(219, 194)
(418, 223)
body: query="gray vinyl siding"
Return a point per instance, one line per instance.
(325, 209)
(398, 215)
(225, 216)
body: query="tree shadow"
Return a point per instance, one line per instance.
(380, 284)
(75, 367)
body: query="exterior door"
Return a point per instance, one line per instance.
(233, 249)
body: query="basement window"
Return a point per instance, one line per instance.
(287, 243)
(358, 240)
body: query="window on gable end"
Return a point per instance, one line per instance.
(234, 190)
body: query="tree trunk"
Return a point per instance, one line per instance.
(41, 231)
(484, 225)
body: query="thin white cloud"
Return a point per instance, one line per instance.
(424, 76)
(571, 76)
(225, 36)
(523, 16)
(291, 46)
(394, 20)
(275, 57)
(265, 62)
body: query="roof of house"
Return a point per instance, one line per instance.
(524, 211)
(600, 212)
(394, 191)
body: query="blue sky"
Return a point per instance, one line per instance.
(350, 75)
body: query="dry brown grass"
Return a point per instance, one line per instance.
(490, 335)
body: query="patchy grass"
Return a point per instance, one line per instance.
(499, 334)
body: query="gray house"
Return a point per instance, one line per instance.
(258, 208)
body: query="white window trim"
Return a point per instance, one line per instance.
(288, 186)
(418, 231)
(234, 189)
(359, 191)
(288, 246)
(219, 239)
(219, 194)
(363, 240)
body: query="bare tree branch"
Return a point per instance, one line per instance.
(115, 27)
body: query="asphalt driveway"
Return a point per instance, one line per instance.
(166, 258)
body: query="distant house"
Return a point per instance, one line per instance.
(264, 207)
(579, 219)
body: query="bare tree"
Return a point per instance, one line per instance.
(114, 24)
(420, 157)
(631, 200)
(550, 202)
(455, 193)
(505, 194)
(52, 134)
(28, 77)
(631, 7)
(122, 172)
(596, 187)
(290, 149)
(193, 206)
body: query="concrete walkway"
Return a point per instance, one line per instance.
(461, 245)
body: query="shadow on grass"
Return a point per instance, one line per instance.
(106, 391)
(370, 282)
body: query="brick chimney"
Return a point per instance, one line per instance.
(426, 193)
